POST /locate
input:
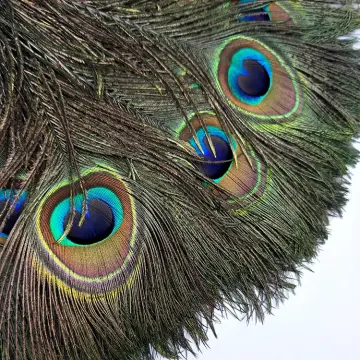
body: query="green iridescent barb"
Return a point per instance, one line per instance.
(161, 160)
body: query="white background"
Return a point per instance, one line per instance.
(322, 321)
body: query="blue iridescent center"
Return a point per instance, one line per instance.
(261, 14)
(7, 198)
(213, 167)
(249, 76)
(104, 216)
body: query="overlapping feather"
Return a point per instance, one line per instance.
(119, 90)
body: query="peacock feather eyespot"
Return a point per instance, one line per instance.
(100, 252)
(256, 80)
(10, 201)
(244, 177)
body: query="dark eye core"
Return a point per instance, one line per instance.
(215, 168)
(98, 224)
(257, 81)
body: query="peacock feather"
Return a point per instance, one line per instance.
(160, 160)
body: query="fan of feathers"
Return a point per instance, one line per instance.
(163, 162)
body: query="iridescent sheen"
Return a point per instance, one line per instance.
(61, 211)
(244, 179)
(238, 69)
(89, 267)
(7, 198)
(220, 163)
(261, 14)
(256, 80)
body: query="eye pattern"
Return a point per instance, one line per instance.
(7, 198)
(107, 236)
(256, 80)
(246, 181)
